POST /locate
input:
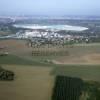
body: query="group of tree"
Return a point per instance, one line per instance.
(6, 75)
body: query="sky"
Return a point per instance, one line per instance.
(50, 7)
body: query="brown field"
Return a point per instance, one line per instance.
(16, 47)
(79, 54)
(86, 59)
(4, 33)
(30, 83)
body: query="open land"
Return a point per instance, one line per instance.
(78, 54)
(35, 76)
(30, 82)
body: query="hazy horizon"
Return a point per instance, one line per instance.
(50, 7)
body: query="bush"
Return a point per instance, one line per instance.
(6, 75)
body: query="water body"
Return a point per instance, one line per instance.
(42, 26)
(51, 27)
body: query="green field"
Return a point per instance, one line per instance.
(87, 72)
(16, 60)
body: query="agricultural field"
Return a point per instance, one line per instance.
(2, 33)
(72, 88)
(30, 82)
(76, 54)
(85, 72)
(67, 88)
(35, 75)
